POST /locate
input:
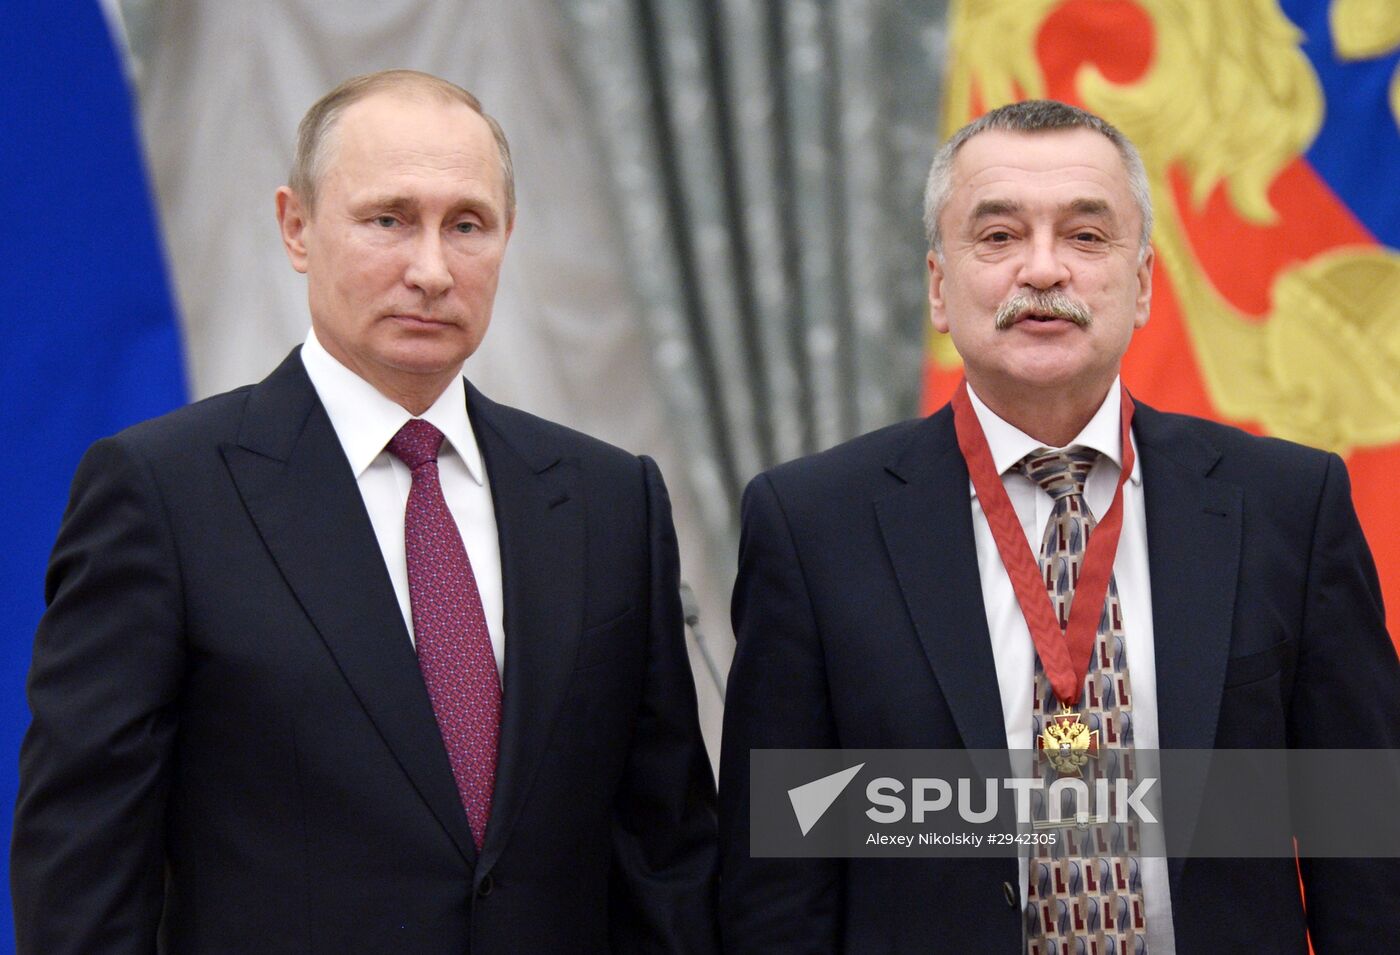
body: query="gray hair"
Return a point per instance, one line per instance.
(1032, 116)
(319, 125)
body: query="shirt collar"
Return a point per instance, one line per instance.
(364, 420)
(1103, 433)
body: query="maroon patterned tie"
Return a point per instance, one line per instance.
(1085, 893)
(449, 627)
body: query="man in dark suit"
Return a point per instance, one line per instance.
(356, 659)
(875, 607)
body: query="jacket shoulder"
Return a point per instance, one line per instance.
(851, 467)
(206, 422)
(1279, 478)
(1236, 449)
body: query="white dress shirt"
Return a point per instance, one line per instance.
(364, 421)
(1013, 651)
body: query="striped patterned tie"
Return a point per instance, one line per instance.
(449, 628)
(1085, 892)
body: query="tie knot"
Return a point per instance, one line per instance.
(416, 443)
(1059, 473)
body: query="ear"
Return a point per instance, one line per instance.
(292, 220)
(937, 307)
(1144, 296)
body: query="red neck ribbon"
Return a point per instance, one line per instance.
(1064, 654)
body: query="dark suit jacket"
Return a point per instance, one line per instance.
(232, 746)
(860, 623)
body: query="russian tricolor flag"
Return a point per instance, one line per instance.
(91, 342)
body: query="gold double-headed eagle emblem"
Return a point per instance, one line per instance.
(1067, 743)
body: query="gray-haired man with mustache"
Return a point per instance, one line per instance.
(887, 592)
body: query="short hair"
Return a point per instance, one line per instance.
(1032, 116)
(319, 125)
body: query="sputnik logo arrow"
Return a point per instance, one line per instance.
(810, 801)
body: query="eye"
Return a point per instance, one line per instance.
(1087, 237)
(386, 221)
(998, 237)
(466, 228)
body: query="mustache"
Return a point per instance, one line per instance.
(1052, 302)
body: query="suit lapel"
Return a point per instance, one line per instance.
(1194, 527)
(540, 523)
(298, 488)
(927, 526)
(1193, 539)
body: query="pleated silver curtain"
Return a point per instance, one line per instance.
(768, 160)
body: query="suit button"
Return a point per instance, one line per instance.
(484, 889)
(1008, 892)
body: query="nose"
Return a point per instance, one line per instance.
(1043, 267)
(427, 266)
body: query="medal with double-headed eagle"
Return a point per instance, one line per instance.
(1067, 743)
